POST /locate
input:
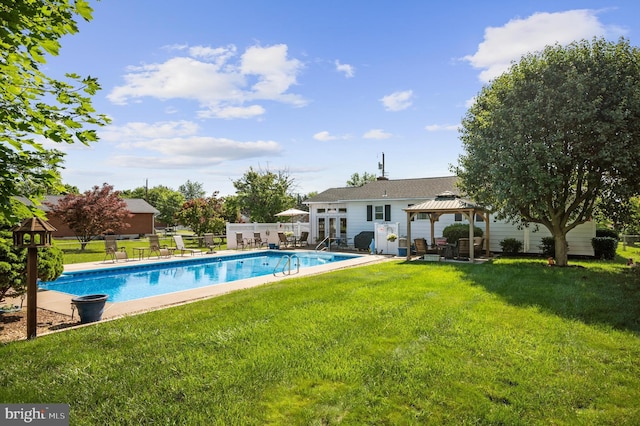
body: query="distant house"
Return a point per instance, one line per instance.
(345, 212)
(142, 221)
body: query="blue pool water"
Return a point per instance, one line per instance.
(136, 282)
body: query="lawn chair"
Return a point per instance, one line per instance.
(210, 243)
(463, 247)
(284, 241)
(240, 241)
(421, 246)
(303, 240)
(180, 246)
(257, 240)
(155, 247)
(112, 250)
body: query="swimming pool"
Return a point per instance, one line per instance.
(145, 280)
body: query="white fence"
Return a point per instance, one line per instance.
(268, 231)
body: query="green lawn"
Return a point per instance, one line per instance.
(94, 251)
(510, 342)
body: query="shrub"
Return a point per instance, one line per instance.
(459, 230)
(548, 246)
(511, 246)
(604, 247)
(607, 233)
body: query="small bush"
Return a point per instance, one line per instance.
(607, 233)
(604, 247)
(548, 247)
(511, 246)
(459, 230)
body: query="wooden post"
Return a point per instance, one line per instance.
(32, 292)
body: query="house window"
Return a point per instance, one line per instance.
(369, 213)
(479, 218)
(321, 210)
(458, 217)
(422, 216)
(379, 213)
(342, 210)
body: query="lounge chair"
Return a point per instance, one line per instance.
(210, 243)
(112, 250)
(463, 247)
(155, 247)
(478, 243)
(304, 236)
(180, 246)
(257, 240)
(284, 241)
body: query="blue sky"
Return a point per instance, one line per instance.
(202, 90)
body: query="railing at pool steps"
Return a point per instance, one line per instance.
(286, 261)
(323, 244)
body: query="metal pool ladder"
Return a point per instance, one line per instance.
(286, 261)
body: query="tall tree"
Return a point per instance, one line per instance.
(262, 194)
(33, 104)
(203, 215)
(191, 190)
(555, 134)
(357, 180)
(93, 213)
(166, 200)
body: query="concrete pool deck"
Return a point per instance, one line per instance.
(61, 302)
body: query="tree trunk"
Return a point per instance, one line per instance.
(562, 249)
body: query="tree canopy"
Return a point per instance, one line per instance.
(166, 200)
(93, 213)
(359, 180)
(261, 194)
(203, 215)
(35, 106)
(556, 134)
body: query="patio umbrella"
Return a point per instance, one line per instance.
(291, 213)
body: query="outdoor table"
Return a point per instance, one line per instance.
(140, 251)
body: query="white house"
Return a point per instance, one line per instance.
(345, 212)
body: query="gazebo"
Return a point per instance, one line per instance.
(448, 203)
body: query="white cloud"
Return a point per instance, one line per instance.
(348, 70)
(377, 134)
(397, 101)
(439, 127)
(325, 136)
(176, 144)
(220, 81)
(502, 45)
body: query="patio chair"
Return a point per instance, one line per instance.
(210, 243)
(180, 246)
(240, 241)
(284, 241)
(155, 247)
(257, 240)
(303, 240)
(463, 247)
(478, 243)
(421, 246)
(112, 250)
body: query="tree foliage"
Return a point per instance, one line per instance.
(34, 105)
(262, 194)
(357, 180)
(191, 190)
(166, 200)
(13, 261)
(557, 133)
(203, 215)
(89, 215)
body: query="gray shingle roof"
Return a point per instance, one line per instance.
(400, 189)
(134, 205)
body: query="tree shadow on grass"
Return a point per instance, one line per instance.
(592, 295)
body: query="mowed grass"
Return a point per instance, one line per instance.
(510, 342)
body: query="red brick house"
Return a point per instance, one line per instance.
(142, 221)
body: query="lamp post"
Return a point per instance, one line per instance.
(31, 234)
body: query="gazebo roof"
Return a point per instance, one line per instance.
(443, 203)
